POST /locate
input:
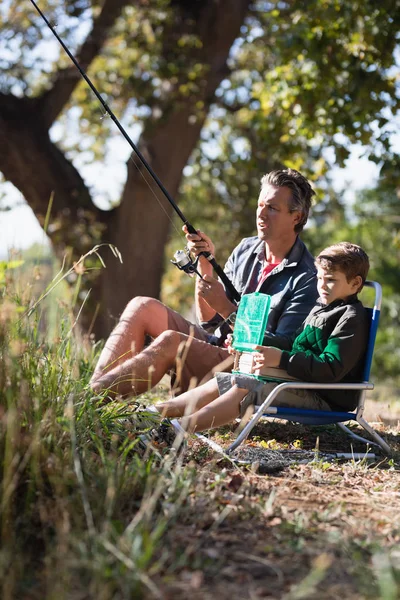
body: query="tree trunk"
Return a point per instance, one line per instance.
(139, 227)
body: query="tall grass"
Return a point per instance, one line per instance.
(82, 508)
(86, 514)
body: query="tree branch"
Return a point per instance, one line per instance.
(232, 107)
(39, 170)
(53, 101)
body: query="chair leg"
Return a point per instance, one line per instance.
(210, 443)
(354, 435)
(380, 442)
(378, 439)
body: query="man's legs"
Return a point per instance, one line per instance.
(140, 372)
(170, 349)
(148, 317)
(142, 316)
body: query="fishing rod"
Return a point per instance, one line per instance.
(183, 259)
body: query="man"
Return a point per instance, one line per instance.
(329, 348)
(275, 262)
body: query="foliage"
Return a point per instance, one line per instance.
(379, 232)
(7, 265)
(301, 77)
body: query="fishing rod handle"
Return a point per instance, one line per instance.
(223, 277)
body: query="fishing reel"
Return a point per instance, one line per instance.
(184, 262)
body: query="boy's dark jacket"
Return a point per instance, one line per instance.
(330, 348)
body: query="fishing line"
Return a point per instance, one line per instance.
(182, 264)
(153, 191)
(132, 158)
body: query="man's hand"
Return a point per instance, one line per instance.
(199, 242)
(266, 357)
(213, 292)
(210, 293)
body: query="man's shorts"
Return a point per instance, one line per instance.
(198, 360)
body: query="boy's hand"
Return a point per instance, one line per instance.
(266, 356)
(228, 344)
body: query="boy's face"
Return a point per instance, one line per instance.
(333, 285)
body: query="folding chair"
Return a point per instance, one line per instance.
(321, 417)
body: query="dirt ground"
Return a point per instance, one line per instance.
(321, 530)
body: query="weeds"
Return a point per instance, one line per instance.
(86, 513)
(71, 475)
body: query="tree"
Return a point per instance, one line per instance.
(236, 88)
(378, 226)
(373, 222)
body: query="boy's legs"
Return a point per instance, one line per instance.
(233, 403)
(190, 401)
(224, 409)
(210, 405)
(218, 402)
(307, 399)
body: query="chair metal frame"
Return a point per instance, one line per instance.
(321, 417)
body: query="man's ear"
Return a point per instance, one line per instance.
(297, 216)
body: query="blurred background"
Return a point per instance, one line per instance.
(215, 94)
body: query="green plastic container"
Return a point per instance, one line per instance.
(251, 321)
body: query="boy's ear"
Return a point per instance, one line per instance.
(357, 283)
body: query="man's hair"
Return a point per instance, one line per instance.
(302, 191)
(348, 258)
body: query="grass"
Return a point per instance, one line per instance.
(82, 510)
(85, 513)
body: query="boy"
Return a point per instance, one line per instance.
(329, 348)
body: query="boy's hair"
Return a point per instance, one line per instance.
(302, 191)
(348, 258)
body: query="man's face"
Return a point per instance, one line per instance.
(333, 285)
(274, 221)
